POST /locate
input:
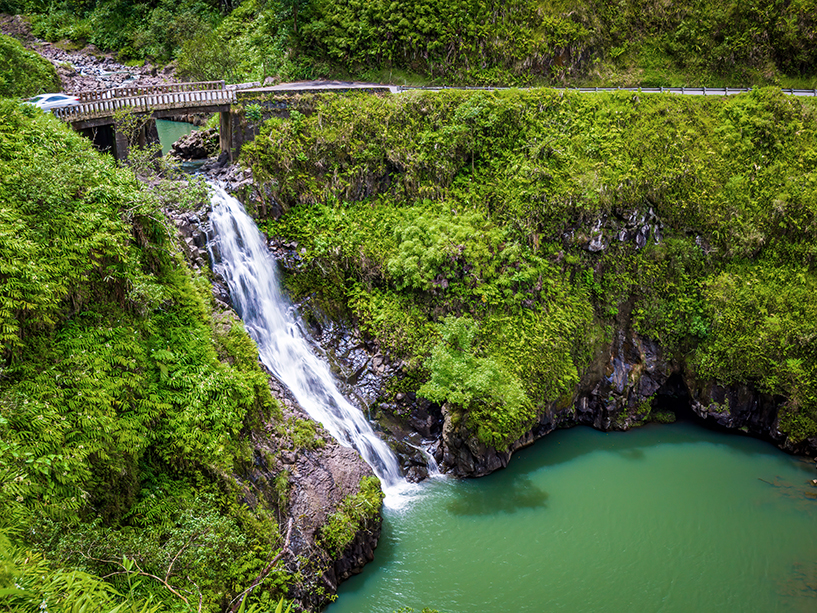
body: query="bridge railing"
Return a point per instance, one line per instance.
(145, 90)
(106, 107)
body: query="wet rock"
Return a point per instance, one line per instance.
(319, 478)
(464, 455)
(197, 145)
(417, 473)
(597, 241)
(620, 389)
(192, 228)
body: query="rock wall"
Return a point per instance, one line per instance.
(630, 381)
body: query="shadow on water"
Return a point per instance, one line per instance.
(554, 449)
(521, 493)
(635, 454)
(633, 445)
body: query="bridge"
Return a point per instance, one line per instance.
(96, 114)
(98, 111)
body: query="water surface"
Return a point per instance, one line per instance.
(171, 131)
(669, 518)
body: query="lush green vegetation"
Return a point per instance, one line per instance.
(646, 42)
(630, 42)
(355, 513)
(133, 29)
(457, 228)
(126, 403)
(24, 73)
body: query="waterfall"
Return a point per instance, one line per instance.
(240, 255)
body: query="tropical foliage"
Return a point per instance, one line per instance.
(24, 73)
(355, 513)
(576, 42)
(484, 236)
(124, 405)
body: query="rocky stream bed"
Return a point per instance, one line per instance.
(87, 68)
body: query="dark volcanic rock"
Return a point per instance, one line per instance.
(624, 384)
(197, 145)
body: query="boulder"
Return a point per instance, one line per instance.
(197, 145)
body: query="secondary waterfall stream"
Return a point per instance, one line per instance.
(240, 255)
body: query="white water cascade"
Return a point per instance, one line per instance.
(240, 255)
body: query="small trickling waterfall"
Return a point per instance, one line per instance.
(240, 255)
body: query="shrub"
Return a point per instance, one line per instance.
(24, 73)
(352, 515)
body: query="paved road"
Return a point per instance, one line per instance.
(302, 86)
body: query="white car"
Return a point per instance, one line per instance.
(52, 101)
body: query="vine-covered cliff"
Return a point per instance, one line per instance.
(532, 259)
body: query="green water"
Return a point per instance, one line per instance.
(171, 131)
(665, 518)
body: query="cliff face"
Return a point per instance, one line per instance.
(536, 259)
(316, 480)
(629, 382)
(598, 258)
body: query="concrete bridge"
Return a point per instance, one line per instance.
(99, 113)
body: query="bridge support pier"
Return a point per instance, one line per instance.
(225, 132)
(120, 145)
(147, 134)
(107, 138)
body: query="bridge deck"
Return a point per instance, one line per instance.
(102, 110)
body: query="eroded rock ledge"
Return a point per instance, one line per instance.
(631, 382)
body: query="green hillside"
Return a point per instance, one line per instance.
(487, 42)
(126, 397)
(24, 73)
(489, 238)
